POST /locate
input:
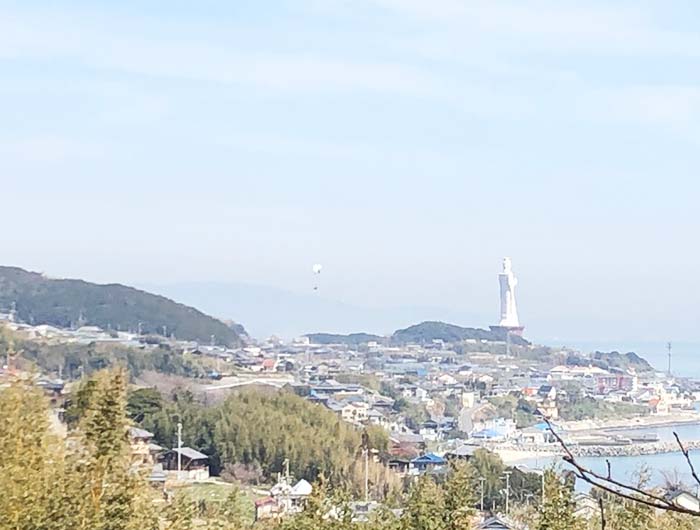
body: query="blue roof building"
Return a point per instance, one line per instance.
(428, 461)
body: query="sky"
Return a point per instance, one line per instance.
(405, 145)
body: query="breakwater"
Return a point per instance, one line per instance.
(635, 449)
(517, 452)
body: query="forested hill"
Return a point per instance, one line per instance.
(429, 331)
(422, 333)
(66, 303)
(352, 339)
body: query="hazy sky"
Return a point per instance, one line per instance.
(407, 145)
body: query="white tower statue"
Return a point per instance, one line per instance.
(508, 281)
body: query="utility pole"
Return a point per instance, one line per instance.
(668, 346)
(543, 487)
(287, 486)
(507, 474)
(179, 451)
(482, 480)
(366, 451)
(507, 343)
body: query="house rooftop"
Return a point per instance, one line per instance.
(430, 458)
(138, 433)
(400, 437)
(465, 450)
(190, 453)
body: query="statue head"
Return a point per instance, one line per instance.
(507, 265)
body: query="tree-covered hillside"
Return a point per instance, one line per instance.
(428, 331)
(611, 361)
(353, 339)
(259, 431)
(65, 303)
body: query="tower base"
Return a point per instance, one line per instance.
(513, 330)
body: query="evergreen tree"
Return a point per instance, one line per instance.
(557, 510)
(105, 490)
(425, 506)
(30, 461)
(676, 521)
(229, 515)
(181, 514)
(460, 496)
(490, 467)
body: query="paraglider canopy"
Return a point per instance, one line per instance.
(317, 268)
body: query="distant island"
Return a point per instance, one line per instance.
(36, 299)
(423, 333)
(353, 339)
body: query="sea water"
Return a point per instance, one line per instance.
(685, 362)
(662, 467)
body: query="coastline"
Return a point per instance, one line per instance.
(639, 422)
(514, 455)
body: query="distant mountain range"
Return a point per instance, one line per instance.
(267, 311)
(423, 333)
(70, 303)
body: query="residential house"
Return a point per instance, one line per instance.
(447, 380)
(547, 392)
(427, 462)
(413, 392)
(194, 465)
(284, 499)
(399, 465)
(586, 506)
(683, 499)
(548, 409)
(406, 444)
(435, 430)
(143, 450)
(331, 404)
(267, 508)
(496, 522)
(496, 429)
(355, 412)
(374, 417)
(463, 452)
(533, 436)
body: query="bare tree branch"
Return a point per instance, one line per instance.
(686, 454)
(615, 487)
(602, 514)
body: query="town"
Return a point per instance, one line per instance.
(438, 392)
